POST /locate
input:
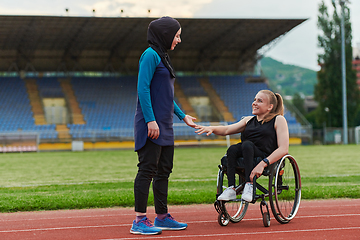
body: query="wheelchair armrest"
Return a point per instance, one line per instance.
(267, 171)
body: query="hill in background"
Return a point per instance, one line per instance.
(288, 79)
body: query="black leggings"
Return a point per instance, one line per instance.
(155, 164)
(246, 150)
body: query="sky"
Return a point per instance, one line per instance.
(298, 47)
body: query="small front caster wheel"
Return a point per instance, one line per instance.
(223, 220)
(266, 219)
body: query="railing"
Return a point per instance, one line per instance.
(336, 135)
(182, 132)
(301, 131)
(357, 135)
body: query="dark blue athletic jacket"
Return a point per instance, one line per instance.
(155, 100)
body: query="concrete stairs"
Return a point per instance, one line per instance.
(74, 109)
(63, 131)
(35, 102)
(185, 104)
(216, 100)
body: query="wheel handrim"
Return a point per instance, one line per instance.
(287, 193)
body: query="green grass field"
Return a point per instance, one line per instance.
(68, 180)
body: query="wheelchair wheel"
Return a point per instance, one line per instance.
(236, 209)
(285, 189)
(266, 219)
(222, 219)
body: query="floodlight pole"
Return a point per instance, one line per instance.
(345, 125)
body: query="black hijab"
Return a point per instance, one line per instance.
(161, 33)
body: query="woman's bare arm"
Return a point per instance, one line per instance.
(282, 132)
(224, 130)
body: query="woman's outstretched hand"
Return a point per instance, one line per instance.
(203, 129)
(189, 120)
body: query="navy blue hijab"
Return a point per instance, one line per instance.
(160, 35)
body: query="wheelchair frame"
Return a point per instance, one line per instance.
(284, 193)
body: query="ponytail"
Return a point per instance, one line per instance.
(278, 106)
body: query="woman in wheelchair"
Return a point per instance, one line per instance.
(264, 135)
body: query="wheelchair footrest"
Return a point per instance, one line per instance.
(262, 204)
(217, 206)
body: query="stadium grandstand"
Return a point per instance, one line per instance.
(70, 82)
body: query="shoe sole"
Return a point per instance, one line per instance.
(142, 233)
(226, 199)
(169, 229)
(247, 200)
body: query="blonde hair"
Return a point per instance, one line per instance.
(278, 106)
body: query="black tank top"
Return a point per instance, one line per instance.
(262, 135)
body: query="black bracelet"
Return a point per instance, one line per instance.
(266, 161)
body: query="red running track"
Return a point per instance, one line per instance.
(322, 219)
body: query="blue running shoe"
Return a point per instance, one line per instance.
(169, 223)
(144, 227)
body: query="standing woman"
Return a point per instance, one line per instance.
(154, 137)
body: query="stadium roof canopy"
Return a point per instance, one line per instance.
(48, 43)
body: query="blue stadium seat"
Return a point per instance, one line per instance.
(191, 86)
(108, 103)
(238, 95)
(15, 111)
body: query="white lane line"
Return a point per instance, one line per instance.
(330, 215)
(173, 212)
(61, 228)
(77, 227)
(121, 215)
(58, 218)
(239, 234)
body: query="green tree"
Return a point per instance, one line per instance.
(311, 117)
(328, 91)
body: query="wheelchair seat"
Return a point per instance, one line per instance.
(239, 168)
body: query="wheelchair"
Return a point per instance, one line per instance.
(284, 192)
